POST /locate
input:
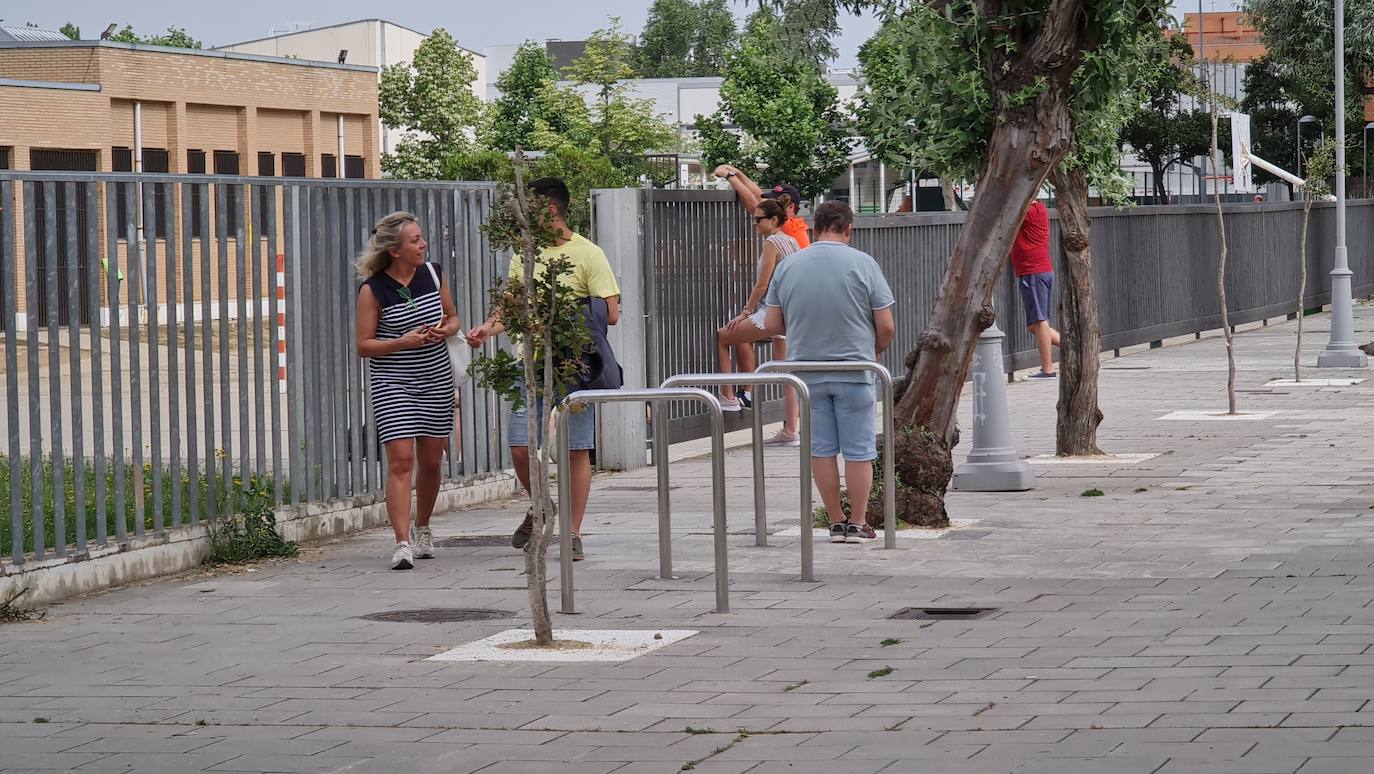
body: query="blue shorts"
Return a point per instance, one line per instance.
(581, 427)
(842, 417)
(1037, 295)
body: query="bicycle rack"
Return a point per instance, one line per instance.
(760, 497)
(885, 378)
(656, 396)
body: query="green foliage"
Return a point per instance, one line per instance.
(432, 98)
(622, 127)
(1092, 493)
(251, 533)
(890, 641)
(884, 672)
(1162, 134)
(538, 311)
(72, 31)
(939, 77)
(685, 38)
(1321, 172)
(583, 169)
(785, 107)
(176, 37)
(532, 111)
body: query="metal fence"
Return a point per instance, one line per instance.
(154, 375)
(1155, 273)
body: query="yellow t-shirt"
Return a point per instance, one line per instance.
(591, 275)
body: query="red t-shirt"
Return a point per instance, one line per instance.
(1030, 253)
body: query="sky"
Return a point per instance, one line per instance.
(475, 23)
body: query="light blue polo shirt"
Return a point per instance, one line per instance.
(828, 293)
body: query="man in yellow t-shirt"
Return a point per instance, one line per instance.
(591, 277)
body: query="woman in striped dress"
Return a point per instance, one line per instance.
(746, 329)
(405, 313)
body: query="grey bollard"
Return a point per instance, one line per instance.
(993, 464)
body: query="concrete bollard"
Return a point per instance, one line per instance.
(993, 464)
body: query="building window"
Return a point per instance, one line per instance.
(48, 160)
(5, 157)
(353, 167)
(227, 163)
(70, 261)
(155, 160)
(267, 165)
(195, 165)
(293, 165)
(329, 165)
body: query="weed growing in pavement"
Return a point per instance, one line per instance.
(884, 672)
(890, 642)
(251, 533)
(1092, 493)
(13, 613)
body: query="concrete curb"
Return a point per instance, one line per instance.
(101, 568)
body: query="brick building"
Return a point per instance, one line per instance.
(72, 104)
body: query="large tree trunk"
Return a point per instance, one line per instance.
(1022, 150)
(1161, 190)
(1080, 331)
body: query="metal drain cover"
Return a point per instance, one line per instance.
(473, 540)
(942, 613)
(438, 615)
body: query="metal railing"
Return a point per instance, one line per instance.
(885, 399)
(1155, 274)
(151, 382)
(760, 493)
(658, 396)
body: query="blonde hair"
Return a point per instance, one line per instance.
(386, 236)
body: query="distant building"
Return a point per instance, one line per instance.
(372, 42)
(1223, 36)
(28, 35)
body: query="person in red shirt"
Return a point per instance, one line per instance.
(1030, 260)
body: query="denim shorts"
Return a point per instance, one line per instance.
(842, 418)
(581, 427)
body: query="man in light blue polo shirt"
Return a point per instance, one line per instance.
(834, 304)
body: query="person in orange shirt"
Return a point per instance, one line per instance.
(741, 338)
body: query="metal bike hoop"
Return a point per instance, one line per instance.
(655, 396)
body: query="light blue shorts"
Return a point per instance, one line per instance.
(581, 427)
(842, 417)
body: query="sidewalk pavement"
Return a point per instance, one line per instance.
(1212, 611)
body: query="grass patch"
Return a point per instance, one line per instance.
(121, 501)
(694, 731)
(251, 533)
(889, 642)
(1092, 493)
(1140, 489)
(884, 672)
(795, 686)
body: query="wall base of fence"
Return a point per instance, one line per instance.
(179, 550)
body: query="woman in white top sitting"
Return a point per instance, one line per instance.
(746, 329)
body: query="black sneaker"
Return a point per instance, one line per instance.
(858, 533)
(521, 538)
(838, 532)
(746, 398)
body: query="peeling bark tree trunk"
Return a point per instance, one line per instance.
(1221, 277)
(1022, 150)
(1080, 331)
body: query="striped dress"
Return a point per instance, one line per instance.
(411, 390)
(786, 246)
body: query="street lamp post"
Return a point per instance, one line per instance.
(1341, 351)
(1304, 120)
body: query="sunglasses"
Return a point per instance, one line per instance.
(762, 218)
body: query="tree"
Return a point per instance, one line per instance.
(1221, 273)
(623, 128)
(432, 99)
(1097, 124)
(544, 316)
(715, 38)
(72, 31)
(665, 45)
(532, 111)
(1320, 171)
(1163, 134)
(996, 85)
(176, 37)
(784, 107)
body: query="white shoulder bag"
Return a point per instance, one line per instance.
(459, 353)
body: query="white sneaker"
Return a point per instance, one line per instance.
(729, 405)
(784, 440)
(423, 540)
(403, 558)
